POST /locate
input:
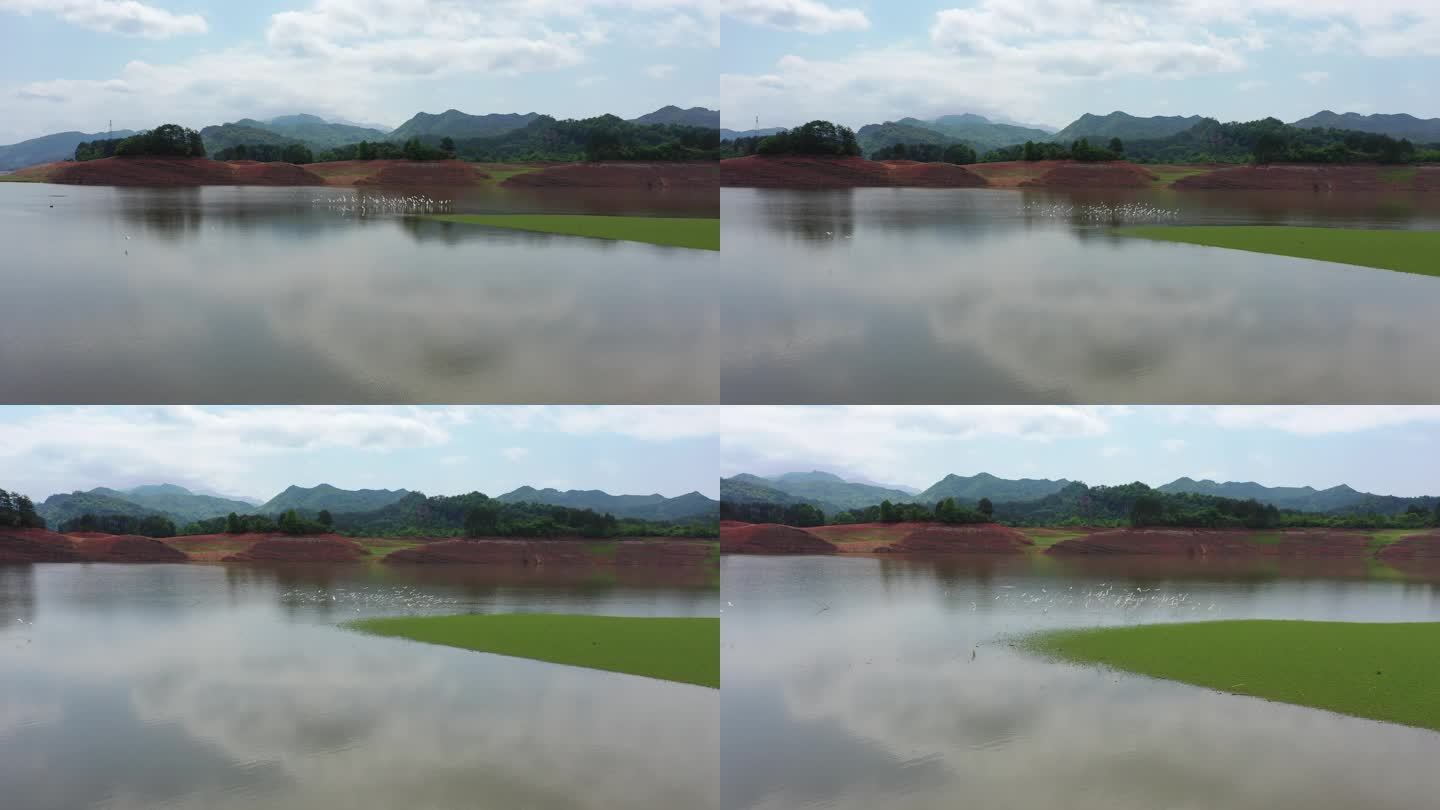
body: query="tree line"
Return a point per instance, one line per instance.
(1136, 505)
(166, 140)
(475, 514)
(957, 153)
(18, 512)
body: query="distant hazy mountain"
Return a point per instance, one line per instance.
(1124, 126)
(873, 137)
(224, 136)
(984, 134)
(315, 132)
(1301, 499)
(693, 117)
(50, 148)
(456, 124)
(985, 485)
(833, 490)
(644, 507)
(59, 508)
(747, 488)
(179, 503)
(732, 134)
(336, 500)
(1401, 125)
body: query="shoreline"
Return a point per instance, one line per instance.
(143, 172)
(26, 546)
(802, 172)
(1400, 547)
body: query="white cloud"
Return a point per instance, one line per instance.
(1173, 445)
(127, 17)
(1115, 451)
(645, 422)
(70, 448)
(880, 440)
(659, 71)
(804, 16)
(515, 453)
(1319, 419)
(1314, 76)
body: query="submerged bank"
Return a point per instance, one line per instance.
(1377, 671)
(1391, 249)
(44, 546)
(809, 171)
(164, 172)
(687, 232)
(686, 650)
(1391, 546)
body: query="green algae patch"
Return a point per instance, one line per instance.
(699, 233)
(686, 650)
(1403, 251)
(1376, 671)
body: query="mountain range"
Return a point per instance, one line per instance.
(185, 506)
(48, 148)
(833, 494)
(320, 134)
(984, 134)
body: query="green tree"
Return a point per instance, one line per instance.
(985, 507)
(447, 145)
(232, 524)
(1117, 146)
(326, 519)
(887, 512)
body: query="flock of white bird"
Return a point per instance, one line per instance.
(1101, 213)
(372, 205)
(391, 600)
(1102, 597)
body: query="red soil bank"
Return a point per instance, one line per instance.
(982, 538)
(1416, 547)
(251, 173)
(730, 524)
(412, 173)
(663, 554)
(772, 538)
(127, 548)
(498, 552)
(36, 546)
(655, 176)
(1296, 177)
(1179, 542)
(759, 171)
(1208, 542)
(1117, 174)
(182, 172)
(323, 548)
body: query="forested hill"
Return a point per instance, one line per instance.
(50, 148)
(1182, 502)
(1402, 125)
(332, 499)
(645, 507)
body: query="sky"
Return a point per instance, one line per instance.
(257, 451)
(1381, 449)
(77, 64)
(1048, 61)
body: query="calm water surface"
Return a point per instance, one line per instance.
(850, 685)
(240, 295)
(207, 686)
(996, 296)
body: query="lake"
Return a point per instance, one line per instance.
(258, 295)
(992, 296)
(850, 685)
(209, 686)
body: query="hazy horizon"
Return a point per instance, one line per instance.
(257, 451)
(78, 64)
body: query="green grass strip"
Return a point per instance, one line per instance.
(687, 232)
(1405, 251)
(673, 649)
(1378, 671)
